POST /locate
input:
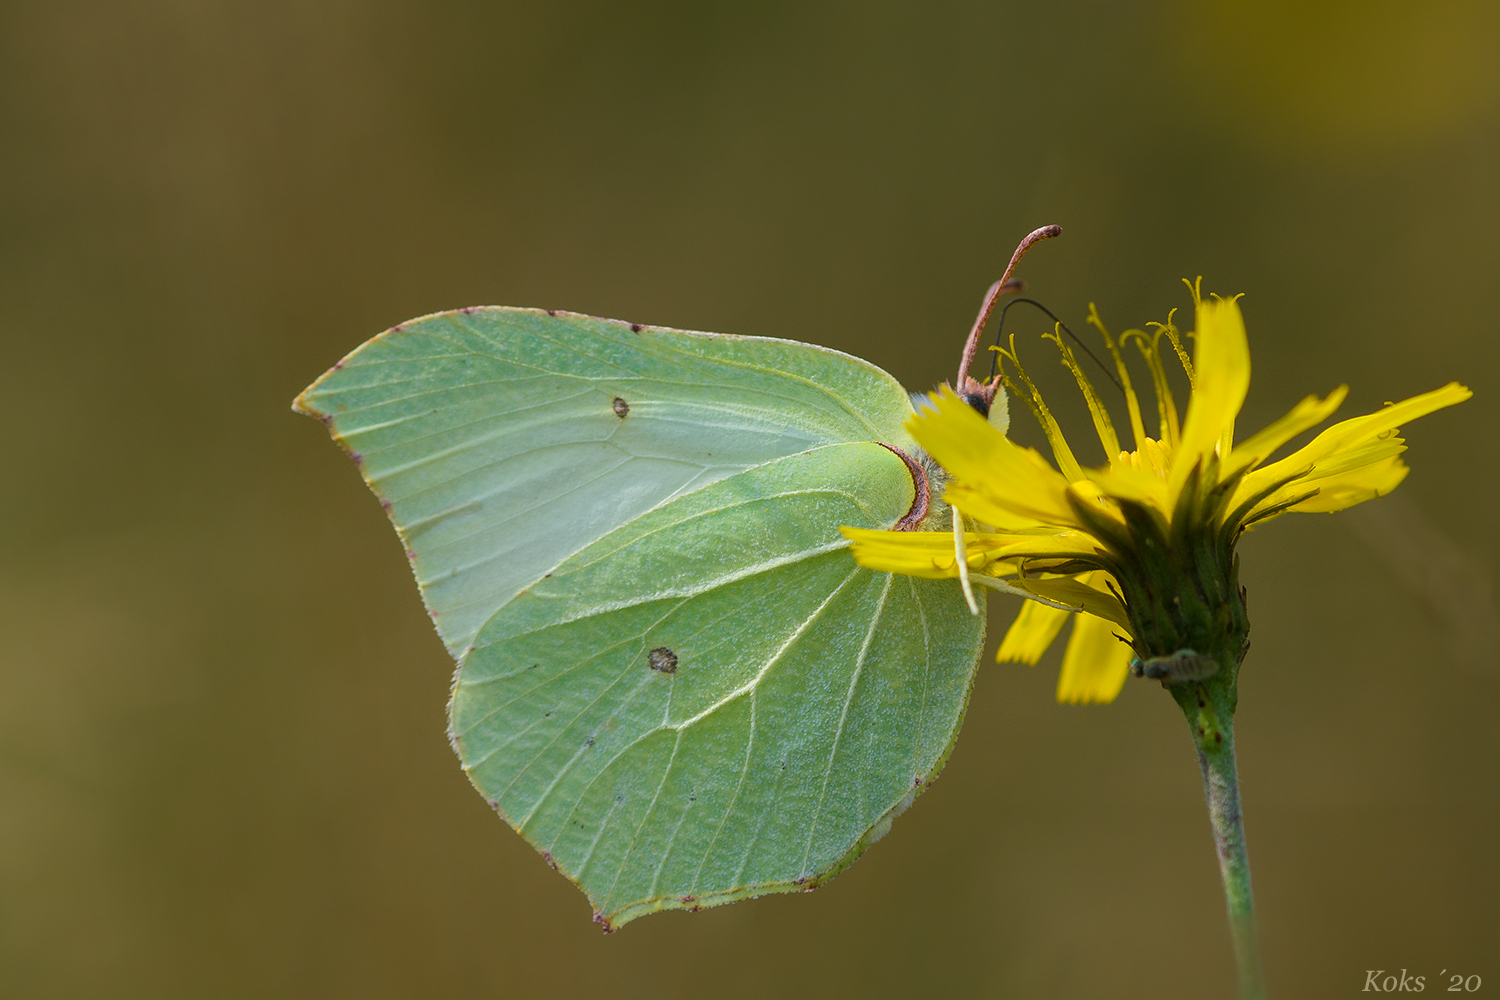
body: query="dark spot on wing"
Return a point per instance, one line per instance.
(551, 312)
(635, 328)
(663, 660)
(622, 408)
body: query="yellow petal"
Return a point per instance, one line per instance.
(1307, 414)
(927, 554)
(1347, 467)
(1019, 544)
(1086, 592)
(1128, 481)
(1095, 666)
(979, 505)
(1221, 361)
(1350, 488)
(1366, 440)
(1345, 489)
(1011, 479)
(1061, 545)
(1031, 633)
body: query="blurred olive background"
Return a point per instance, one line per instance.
(223, 769)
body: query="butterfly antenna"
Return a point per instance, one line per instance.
(995, 355)
(965, 385)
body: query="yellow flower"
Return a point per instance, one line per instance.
(1144, 546)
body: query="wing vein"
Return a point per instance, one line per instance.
(838, 735)
(775, 658)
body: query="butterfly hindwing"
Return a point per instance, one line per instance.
(806, 698)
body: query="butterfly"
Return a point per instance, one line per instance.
(672, 678)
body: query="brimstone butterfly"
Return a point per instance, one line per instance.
(672, 678)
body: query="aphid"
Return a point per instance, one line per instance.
(1181, 667)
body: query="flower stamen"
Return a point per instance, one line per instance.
(1137, 425)
(1032, 397)
(1166, 409)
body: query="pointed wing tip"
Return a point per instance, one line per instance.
(308, 408)
(303, 403)
(302, 406)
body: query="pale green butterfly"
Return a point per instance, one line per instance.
(673, 679)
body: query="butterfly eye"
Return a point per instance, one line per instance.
(978, 402)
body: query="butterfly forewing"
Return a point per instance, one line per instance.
(505, 440)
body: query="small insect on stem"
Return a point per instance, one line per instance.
(1181, 667)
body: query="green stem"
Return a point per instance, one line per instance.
(1221, 784)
